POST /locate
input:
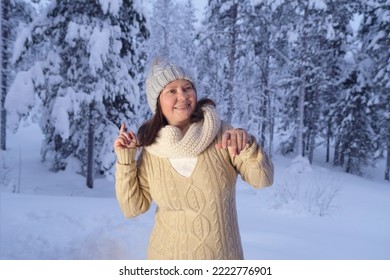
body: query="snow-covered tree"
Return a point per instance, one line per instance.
(337, 45)
(160, 22)
(186, 34)
(87, 74)
(315, 32)
(172, 32)
(209, 56)
(256, 77)
(14, 14)
(305, 33)
(4, 21)
(355, 112)
(375, 36)
(361, 115)
(220, 60)
(354, 147)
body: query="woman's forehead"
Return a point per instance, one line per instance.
(178, 83)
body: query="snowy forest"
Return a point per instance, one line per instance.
(308, 78)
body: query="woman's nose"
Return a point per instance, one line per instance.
(182, 94)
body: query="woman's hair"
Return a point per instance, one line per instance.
(148, 131)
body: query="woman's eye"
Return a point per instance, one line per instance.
(188, 88)
(172, 91)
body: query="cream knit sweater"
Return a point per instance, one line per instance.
(196, 216)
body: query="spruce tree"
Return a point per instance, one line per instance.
(335, 67)
(220, 58)
(303, 29)
(5, 33)
(354, 146)
(172, 33)
(88, 80)
(14, 15)
(258, 77)
(375, 35)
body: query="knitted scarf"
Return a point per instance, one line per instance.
(171, 143)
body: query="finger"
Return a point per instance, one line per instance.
(125, 136)
(133, 137)
(244, 139)
(225, 139)
(233, 144)
(123, 128)
(134, 141)
(124, 140)
(239, 142)
(119, 143)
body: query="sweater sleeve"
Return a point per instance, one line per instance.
(254, 165)
(131, 186)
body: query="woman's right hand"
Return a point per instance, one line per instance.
(125, 139)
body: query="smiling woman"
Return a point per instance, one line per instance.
(188, 165)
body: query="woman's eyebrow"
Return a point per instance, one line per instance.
(170, 87)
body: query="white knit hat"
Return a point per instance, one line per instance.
(162, 73)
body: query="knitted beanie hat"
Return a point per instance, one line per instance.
(162, 73)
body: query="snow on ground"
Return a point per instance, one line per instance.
(311, 212)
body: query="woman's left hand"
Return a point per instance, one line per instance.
(234, 140)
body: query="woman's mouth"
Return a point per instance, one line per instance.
(182, 107)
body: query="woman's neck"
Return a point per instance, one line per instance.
(184, 128)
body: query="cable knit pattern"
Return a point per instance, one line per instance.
(196, 216)
(171, 143)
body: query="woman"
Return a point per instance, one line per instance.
(188, 165)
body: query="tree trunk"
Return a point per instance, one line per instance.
(271, 129)
(312, 147)
(266, 100)
(4, 68)
(328, 135)
(267, 91)
(232, 60)
(336, 156)
(263, 130)
(302, 92)
(348, 167)
(3, 134)
(301, 115)
(315, 116)
(90, 156)
(387, 168)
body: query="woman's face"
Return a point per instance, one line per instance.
(178, 101)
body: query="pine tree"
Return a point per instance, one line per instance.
(354, 115)
(258, 75)
(172, 33)
(354, 148)
(14, 14)
(88, 80)
(186, 34)
(314, 34)
(160, 21)
(4, 18)
(209, 56)
(339, 38)
(303, 33)
(220, 58)
(375, 34)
